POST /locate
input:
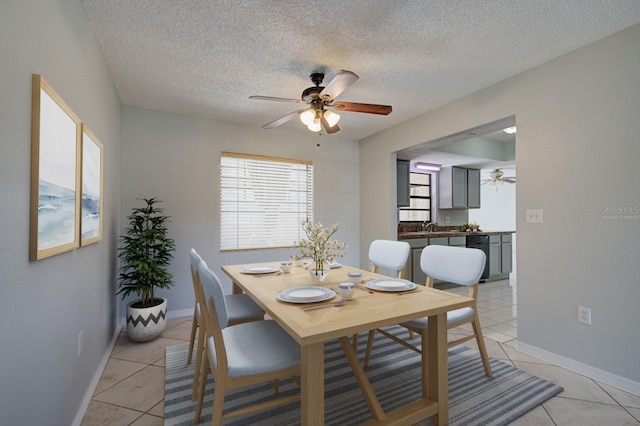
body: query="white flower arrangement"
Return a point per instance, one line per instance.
(319, 246)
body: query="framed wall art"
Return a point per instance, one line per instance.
(55, 174)
(91, 183)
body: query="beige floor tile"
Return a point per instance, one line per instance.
(575, 385)
(157, 410)
(536, 417)
(515, 355)
(497, 315)
(180, 331)
(625, 399)
(497, 336)
(122, 343)
(147, 420)
(494, 350)
(487, 305)
(504, 328)
(99, 413)
(147, 352)
(141, 391)
(635, 412)
(173, 322)
(571, 412)
(115, 371)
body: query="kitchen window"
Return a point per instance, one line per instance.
(263, 200)
(419, 208)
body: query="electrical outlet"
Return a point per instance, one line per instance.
(447, 219)
(584, 315)
(533, 216)
(80, 343)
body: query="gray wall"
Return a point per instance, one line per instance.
(177, 159)
(45, 304)
(577, 153)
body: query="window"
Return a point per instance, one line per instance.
(263, 200)
(419, 198)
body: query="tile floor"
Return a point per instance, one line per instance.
(131, 389)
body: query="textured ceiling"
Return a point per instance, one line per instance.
(206, 57)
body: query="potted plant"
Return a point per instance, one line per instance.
(145, 253)
(320, 248)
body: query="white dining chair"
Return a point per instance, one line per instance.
(241, 355)
(240, 308)
(457, 265)
(389, 254)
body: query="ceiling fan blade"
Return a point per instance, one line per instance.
(338, 84)
(366, 108)
(271, 98)
(326, 126)
(282, 120)
(509, 180)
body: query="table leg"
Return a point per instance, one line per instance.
(361, 378)
(437, 364)
(235, 289)
(312, 384)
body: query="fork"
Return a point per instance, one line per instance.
(324, 305)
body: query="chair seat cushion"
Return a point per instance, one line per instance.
(241, 307)
(452, 317)
(257, 347)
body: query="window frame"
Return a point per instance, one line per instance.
(267, 204)
(411, 207)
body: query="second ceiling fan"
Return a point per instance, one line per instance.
(319, 98)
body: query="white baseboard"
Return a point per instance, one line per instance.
(605, 377)
(86, 400)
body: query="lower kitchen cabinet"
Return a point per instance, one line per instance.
(507, 254)
(495, 255)
(500, 256)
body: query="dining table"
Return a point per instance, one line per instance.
(367, 310)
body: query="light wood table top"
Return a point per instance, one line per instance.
(365, 311)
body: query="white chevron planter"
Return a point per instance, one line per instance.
(144, 324)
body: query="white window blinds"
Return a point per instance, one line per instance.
(263, 200)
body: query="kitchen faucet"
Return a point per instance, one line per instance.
(428, 226)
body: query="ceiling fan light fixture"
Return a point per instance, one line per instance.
(308, 116)
(510, 130)
(331, 117)
(315, 125)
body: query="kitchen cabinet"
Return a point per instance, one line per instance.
(459, 188)
(499, 257)
(403, 185)
(507, 254)
(495, 255)
(413, 271)
(473, 188)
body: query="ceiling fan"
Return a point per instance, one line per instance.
(319, 98)
(497, 177)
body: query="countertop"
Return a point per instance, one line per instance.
(410, 235)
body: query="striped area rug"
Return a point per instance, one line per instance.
(394, 373)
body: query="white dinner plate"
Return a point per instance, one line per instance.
(308, 294)
(390, 284)
(260, 269)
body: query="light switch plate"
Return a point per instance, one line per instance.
(533, 216)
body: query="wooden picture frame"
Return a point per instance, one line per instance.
(55, 173)
(91, 184)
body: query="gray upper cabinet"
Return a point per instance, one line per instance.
(404, 192)
(459, 188)
(473, 188)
